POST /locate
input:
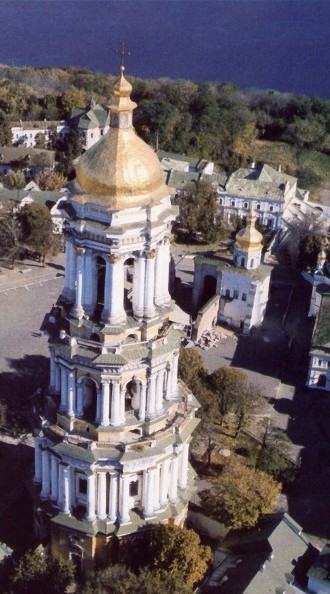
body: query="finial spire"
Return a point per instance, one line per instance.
(123, 52)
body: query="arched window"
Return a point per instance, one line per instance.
(128, 284)
(322, 381)
(233, 202)
(258, 206)
(100, 276)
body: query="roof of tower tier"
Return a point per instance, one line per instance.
(121, 170)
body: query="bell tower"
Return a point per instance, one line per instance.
(113, 456)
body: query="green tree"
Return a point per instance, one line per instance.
(178, 551)
(5, 132)
(274, 455)
(40, 140)
(37, 230)
(228, 384)
(199, 212)
(240, 495)
(50, 181)
(10, 235)
(35, 573)
(308, 251)
(118, 579)
(190, 366)
(15, 180)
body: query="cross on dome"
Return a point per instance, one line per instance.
(123, 52)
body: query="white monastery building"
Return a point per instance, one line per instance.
(241, 283)
(114, 456)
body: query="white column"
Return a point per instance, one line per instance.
(113, 496)
(66, 503)
(57, 378)
(175, 374)
(164, 482)
(151, 395)
(114, 312)
(54, 478)
(90, 516)
(124, 501)
(98, 405)
(150, 490)
(168, 392)
(72, 275)
(138, 285)
(160, 390)
(122, 406)
(60, 486)
(89, 282)
(102, 496)
(143, 401)
(68, 257)
(64, 388)
(183, 474)
(37, 460)
(156, 488)
(45, 463)
(166, 258)
(78, 311)
(105, 403)
(52, 369)
(159, 273)
(80, 402)
(115, 404)
(173, 491)
(149, 307)
(71, 394)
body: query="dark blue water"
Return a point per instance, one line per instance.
(278, 44)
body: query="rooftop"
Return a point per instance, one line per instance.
(321, 335)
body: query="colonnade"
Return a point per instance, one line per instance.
(150, 281)
(106, 494)
(160, 385)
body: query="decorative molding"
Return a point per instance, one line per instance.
(113, 258)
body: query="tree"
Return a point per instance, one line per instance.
(50, 181)
(240, 495)
(228, 384)
(190, 366)
(247, 402)
(308, 251)
(118, 579)
(35, 573)
(37, 229)
(40, 140)
(10, 235)
(5, 132)
(15, 180)
(273, 456)
(199, 212)
(178, 551)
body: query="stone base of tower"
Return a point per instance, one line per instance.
(88, 548)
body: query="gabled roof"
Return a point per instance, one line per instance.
(263, 560)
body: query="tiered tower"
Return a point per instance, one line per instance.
(114, 457)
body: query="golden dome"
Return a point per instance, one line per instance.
(249, 238)
(120, 170)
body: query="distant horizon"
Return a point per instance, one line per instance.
(280, 45)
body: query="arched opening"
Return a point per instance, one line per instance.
(100, 284)
(322, 381)
(132, 395)
(128, 284)
(209, 288)
(95, 337)
(76, 556)
(242, 262)
(89, 399)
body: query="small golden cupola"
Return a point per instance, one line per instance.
(121, 170)
(248, 244)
